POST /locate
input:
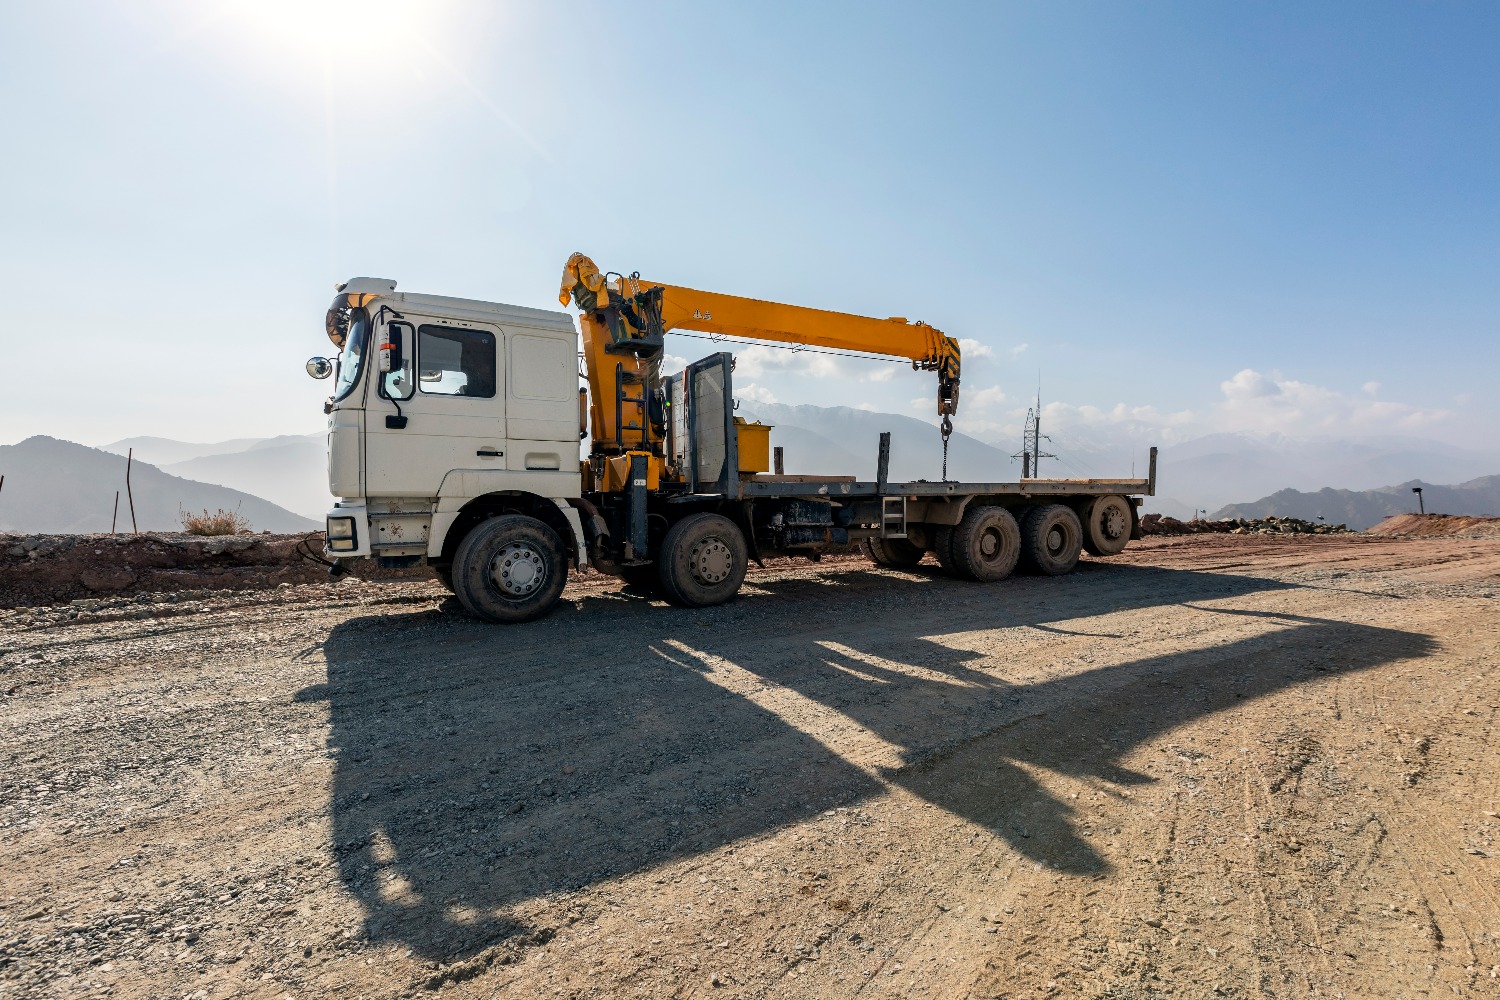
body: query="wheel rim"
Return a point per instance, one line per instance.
(518, 570)
(711, 561)
(1113, 522)
(1057, 540)
(990, 545)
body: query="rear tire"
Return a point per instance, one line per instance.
(1106, 526)
(1051, 539)
(942, 547)
(702, 561)
(897, 553)
(986, 544)
(510, 569)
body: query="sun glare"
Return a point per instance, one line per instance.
(333, 33)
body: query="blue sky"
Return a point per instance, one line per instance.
(1185, 217)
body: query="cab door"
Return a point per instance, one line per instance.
(440, 407)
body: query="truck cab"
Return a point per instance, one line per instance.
(446, 412)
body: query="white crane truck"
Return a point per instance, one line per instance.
(454, 435)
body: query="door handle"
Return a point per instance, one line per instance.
(489, 453)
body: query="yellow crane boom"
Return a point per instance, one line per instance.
(624, 319)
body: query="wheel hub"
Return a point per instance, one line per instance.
(1055, 540)
(989, 545)
(1113, 523)
(518, 570)
(710, 561)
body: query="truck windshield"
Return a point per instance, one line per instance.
(352, 360)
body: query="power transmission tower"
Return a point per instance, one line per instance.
(1031, 453)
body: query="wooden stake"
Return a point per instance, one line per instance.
(129, 460)
(113, 518)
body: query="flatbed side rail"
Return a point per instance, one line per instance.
(746, 489)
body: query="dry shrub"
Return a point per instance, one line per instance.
(222, 522)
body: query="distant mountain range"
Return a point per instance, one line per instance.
(1343, 480)
(838, 440)
(1367, 508)
(290, 470)
(59, 486)
(1218, 469)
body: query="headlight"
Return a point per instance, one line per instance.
(341, 534)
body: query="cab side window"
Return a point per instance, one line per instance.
(455, 362)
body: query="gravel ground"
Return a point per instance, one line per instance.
(1235, 766)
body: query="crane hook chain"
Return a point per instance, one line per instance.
(947, 429)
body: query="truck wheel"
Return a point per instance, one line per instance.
(986, 543)
(702, 561)
(509, 569)
(1106, 526)
(942, 547)
(1051, 539)
(897, 553)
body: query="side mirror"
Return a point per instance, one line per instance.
(319, 368)
(397, 346)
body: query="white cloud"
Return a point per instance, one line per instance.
(1373, 388)
(671, 363)
(983, 399)
(758, 360)
(1249, 384)
(1180, 425)
(1258, 403)
(1018, 350)
(755, 393)
(1251, 402)
(972, 348)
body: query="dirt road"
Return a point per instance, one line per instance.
(1222, 766)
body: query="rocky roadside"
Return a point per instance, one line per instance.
(90, 571)
(1157, 524)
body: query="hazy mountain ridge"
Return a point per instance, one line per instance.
(840, 440)
(290, 471)
(1361, 509)
(58, 486)
(160, 451)
(1209, 473)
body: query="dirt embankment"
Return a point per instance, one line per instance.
(1438, 525)
(54, 569)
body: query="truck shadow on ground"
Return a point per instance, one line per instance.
(478, 768)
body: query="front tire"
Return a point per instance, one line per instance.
(702, 561)
(510, 569)
(1051, 539)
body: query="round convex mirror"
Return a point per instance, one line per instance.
(319, 367)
